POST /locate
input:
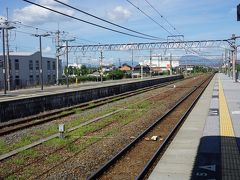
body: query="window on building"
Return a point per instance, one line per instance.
(48, 65)
(16, 64)
(30, 65)
(49, 77)
(31, 78)
(1, 64)
(37, 65)
(53, 65)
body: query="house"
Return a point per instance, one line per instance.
(25, 70)
(125, 67)
(146, 68)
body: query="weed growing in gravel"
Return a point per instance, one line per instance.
(3, 147)
(131, 116)
(57, 142)
(91, 104)
(72, 148)
(143, 105)
(24, 141)
(89, 117)
(17, 161)
(111, 132)
(48, 131)
(78, 111)
(53, 158)
(29, 153)
(12, 177)
(66, 112)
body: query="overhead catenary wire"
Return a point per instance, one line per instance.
(149, 17)
(170, 24)
(155, 20)
(84, 12)
(87, 22)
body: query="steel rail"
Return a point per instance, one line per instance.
(108, 164)
(161, 148)
(40, 119)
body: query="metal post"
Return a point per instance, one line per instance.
(234, 59)
(225, 64)
(235, 67)
(57, 59)
(171, 64)
(41, 63)
(229, 62)
(132, 63)
(150, 62)
(101, 71)
(141, 71)
(8, 63)
(67, 64)
(4, 62)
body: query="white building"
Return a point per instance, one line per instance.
(25, 70)
(163, 63)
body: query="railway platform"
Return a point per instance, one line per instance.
(49, 90)
(207, 145)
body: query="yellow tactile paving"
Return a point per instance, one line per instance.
(226, 128)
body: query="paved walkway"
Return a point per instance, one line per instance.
(208, 144)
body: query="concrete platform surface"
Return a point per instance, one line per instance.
(48, 90)
(208, 144)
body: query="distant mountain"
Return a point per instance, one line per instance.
(196, 60)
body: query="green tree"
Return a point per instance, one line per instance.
(116, 74)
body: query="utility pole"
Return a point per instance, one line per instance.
(8, 59)
(150, 62)
(119, 61)
(4, 62)
(41, 61)
(234, 57)
(67, 64)
(132, 63)
(170, 64)
(229, 62)
(66, 41)
(5, 26)
(101, 62)
(57, 56)
(226, 63)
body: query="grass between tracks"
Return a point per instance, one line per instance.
(51, 129)
(71, 143)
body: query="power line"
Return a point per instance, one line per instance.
(36, 28)
(149, 17)
(105, 20)
(28, 33)
(161, 15)
(97, 25)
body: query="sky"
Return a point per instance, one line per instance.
(196, 20)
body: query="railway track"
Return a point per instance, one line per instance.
(16, 125)
(135, 160)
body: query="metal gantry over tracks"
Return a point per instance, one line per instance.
(152, 45)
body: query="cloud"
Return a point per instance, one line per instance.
(35, 15)
(2, 19)
(47, 49)
(119, 13)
